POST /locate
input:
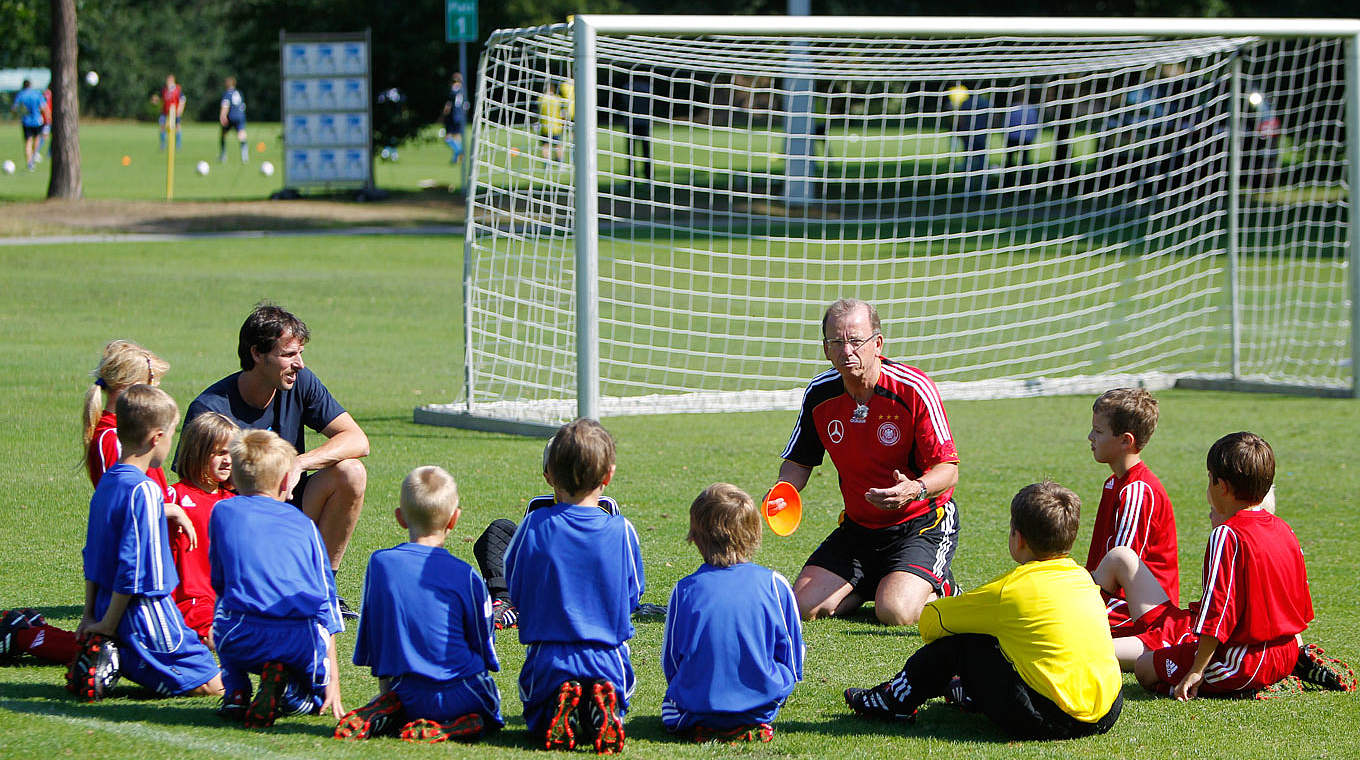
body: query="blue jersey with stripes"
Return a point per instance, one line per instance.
(267, 559)
(426, 613)
(127, 550)
(575, 573)
(733, 641)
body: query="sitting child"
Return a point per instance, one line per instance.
(1134, 509)
(733, 647)
(205, 464)
(1242, 637)
(277, 614)
(1031, 649)
(575, 573)
(426, 630)
(129, 574)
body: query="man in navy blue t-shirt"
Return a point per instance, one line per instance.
(275, 391)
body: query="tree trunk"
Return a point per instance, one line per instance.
(65, 180)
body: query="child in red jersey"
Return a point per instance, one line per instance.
(1134, 509)
(205, 479)
(1242, 637)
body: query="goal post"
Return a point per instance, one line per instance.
(660, 208)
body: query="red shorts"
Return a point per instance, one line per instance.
(1166, 630)
(1117, 614)
(198, 614)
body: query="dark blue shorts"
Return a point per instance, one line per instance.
(442, 701)
(246, 642)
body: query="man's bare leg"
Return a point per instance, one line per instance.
(821, 593)
(900, 598)
(333, 499)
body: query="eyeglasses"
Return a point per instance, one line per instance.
(855, 344)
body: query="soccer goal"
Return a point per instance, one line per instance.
(660, 208)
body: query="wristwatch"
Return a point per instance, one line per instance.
(922, 494)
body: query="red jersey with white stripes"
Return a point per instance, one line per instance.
(1136, 512)
(904, 427)
(105, 449)
(195, 581)
(1255, 584)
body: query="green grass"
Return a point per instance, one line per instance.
(422, 163)
(386, 323)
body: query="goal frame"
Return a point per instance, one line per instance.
(586, 27)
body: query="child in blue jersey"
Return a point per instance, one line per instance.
(129, 572)
(277, 614)
(733, 648)
(575, 572)
(426, 631)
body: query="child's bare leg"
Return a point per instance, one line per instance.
(1122, 569)
(1145, 671)
(1128, 650)
(212, 688)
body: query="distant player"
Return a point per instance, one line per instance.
(129, 573)
(1242, 637)
(1134, 508)
(426, 631)
(205, 479)
(232, 116)
(455, 117)
(30, 105)
(171, 100)
(1023, 122)
(575, 573)
(556, 110)
(884, 425)
(277, 613)
(1030, 650)
(733, 648)
(640, 124)
(46, 127)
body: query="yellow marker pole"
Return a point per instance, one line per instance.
(170, 127)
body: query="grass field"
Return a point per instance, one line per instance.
(386, 320)
(423, 163)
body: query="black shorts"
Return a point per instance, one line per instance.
(32, 132)
(234, 125)
(923, 546)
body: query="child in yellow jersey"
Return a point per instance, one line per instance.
(1031, 650)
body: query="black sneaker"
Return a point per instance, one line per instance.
(877, 703)
(602, 711)
(233, 707)
(380, 717)
(10, 622)
(957, 697)
(648, 609)
(504, 614)
(563, 727)
(95, 670)
(1317, 669)
(346, 611)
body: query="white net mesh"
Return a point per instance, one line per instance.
(1029, 215)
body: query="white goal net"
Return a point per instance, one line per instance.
(1030, 214)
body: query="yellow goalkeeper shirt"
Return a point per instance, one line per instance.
(1051, 624)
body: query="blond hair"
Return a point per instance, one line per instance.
(123, 365)
(429, 496)
(1129, 410)
(725, 525)
(260, 460)
(579, 457)
(200, 437)
(142, 410)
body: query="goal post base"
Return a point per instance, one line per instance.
(443, 416)
(1259, 386)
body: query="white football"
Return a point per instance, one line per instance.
(8, 166)
(267, 169)
(202, 168)
(92, 78)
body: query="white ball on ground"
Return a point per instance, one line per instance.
(202, 168)
(92, 78)
(8, 166)
(267, 169)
